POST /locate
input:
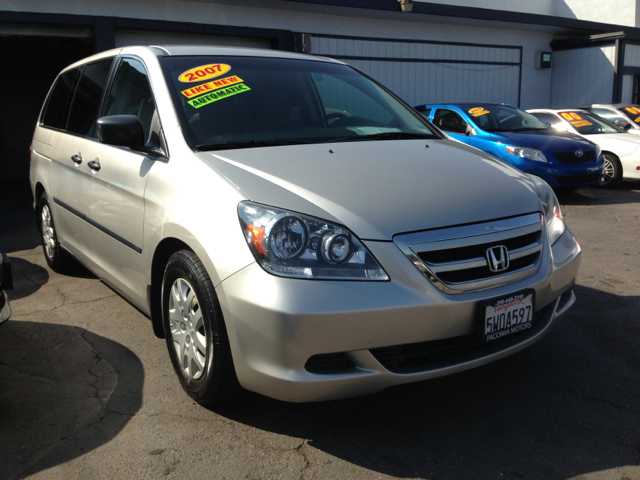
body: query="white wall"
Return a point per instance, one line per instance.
(583, 75)
(536, 84)
(617, 12)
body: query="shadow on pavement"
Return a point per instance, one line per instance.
(564, 407)
(64, 391)
(627, 192)
(18, 229)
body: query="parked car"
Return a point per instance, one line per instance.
(623, 115)
(521, 140)
(6, 283)
(289, 225)
(621, 151)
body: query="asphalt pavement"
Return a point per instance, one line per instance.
(87, 391)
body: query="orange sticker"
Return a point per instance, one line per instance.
(572, 117)
(207, 87)
(481, 113)
(204, 72)
(633, 110)
(476, 110)
(582, 123)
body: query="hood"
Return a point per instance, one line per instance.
(380, 188)
(545, 140)
(622, 144)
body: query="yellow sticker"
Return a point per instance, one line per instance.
(633, 110)
(204, 72)
(583, 123)
(209, 86)
(476, 110)
(481, 113)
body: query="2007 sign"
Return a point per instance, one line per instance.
(204, 72)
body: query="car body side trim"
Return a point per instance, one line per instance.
(100, 227)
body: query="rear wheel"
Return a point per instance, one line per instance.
(612, 172)
(195, 332)
(56, 258)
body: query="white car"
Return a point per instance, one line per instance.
(621, 150)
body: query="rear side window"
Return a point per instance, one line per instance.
(86, 102)
(449, 121)
(55, 113)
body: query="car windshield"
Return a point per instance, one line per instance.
(589, 123)
(240, 102)
(631, 111)
(503, 118)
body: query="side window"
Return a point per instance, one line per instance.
(549, 118)
(449, 121)
(131, 95)
(605, 113)
(86, 101)
(425, 112)
(59, 100)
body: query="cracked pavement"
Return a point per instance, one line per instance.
(87, 391)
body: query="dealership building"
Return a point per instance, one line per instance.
(533, 54)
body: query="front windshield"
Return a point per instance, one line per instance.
(589, 123)
(632, 111)
(240, 102)
(503, 118)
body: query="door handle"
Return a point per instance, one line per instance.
(77, 159)
(94, 165)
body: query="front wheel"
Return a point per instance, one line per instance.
(612, 172)
(195, 332)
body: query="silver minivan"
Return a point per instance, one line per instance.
(289, 225)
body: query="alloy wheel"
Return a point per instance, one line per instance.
(48, 233)
(187, 329)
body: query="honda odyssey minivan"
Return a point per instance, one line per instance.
(291, 227)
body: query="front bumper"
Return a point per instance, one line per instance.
(557, 174)
(276, 325)
(630, 167)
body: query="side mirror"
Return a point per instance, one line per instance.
(470, 132)
(122, 131)
(622, 124)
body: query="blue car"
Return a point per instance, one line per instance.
(563, 160)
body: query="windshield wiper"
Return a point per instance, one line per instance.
(207, 147)
(384, 136)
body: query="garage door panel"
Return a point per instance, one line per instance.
(126, 37)
(429, 72)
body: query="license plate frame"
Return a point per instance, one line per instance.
(506, 327)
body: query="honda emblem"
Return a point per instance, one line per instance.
(498, 258)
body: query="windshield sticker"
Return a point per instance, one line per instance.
(575, 119)
(214, 85)
(218, 95)
(478, 111)
(634, 110)
(204, 72)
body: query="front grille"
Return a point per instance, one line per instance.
(571, 157)
(329, 363)
(578, 179)
(425, 356)
(455, 259)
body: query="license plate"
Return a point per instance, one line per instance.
(508, 316)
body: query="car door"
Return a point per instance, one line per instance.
(115, 201)
(71, 175)
(452, 123)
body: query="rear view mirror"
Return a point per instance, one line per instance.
(122, 131)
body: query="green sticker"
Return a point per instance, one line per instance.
(218, 95)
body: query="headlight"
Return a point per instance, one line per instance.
(551, 208)
(528, 153)
(289, 244)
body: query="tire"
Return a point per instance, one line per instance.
(612, 173)
(57, 259)
(195, 332)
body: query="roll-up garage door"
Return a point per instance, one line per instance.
(125, 38)
(431, 72)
